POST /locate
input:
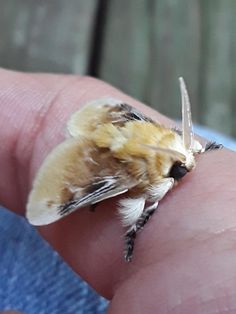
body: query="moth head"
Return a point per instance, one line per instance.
(178, 171)
(181, 164)
(176, 164)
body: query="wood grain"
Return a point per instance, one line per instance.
(156, 42)
(126, 50)
(46, 36)
(218, 65)
(149, 44)
(140, 46)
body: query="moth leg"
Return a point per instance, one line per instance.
(130, 210)
(156, 193)
(212, 146)
(129, 243)
(146, 215)
(132, 232)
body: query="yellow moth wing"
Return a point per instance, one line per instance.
(103, 111)
(60, 171)
(85, 120)
(75, 174)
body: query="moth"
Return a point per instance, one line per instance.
(113, 150)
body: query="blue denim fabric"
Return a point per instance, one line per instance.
(35, 280)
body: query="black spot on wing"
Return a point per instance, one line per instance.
(92, 194)
(131, 113)
(96, 186)
(68, 207)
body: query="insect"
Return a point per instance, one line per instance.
(114, 149)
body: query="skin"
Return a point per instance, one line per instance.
(184, 260)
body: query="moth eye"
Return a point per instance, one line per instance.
(178, 171)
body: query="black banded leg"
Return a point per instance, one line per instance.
(132, 232)
(129, 243)
(146, 215)
(212, 146)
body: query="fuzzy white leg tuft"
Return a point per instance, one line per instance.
(157, 192)
(131, 209)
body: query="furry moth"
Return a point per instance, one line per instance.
(114, 149)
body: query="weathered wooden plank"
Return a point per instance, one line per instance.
(233, 77)
(125, 54)
(50, 36)
(148, 45)
(175, 52)
(218, 64)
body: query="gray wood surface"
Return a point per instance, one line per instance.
(126, 46)
(142, 47)
(218, 65)
(46, 36)
(189, 38)
(157, 41)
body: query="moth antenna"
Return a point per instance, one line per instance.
(171, 152)
(187, 125)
